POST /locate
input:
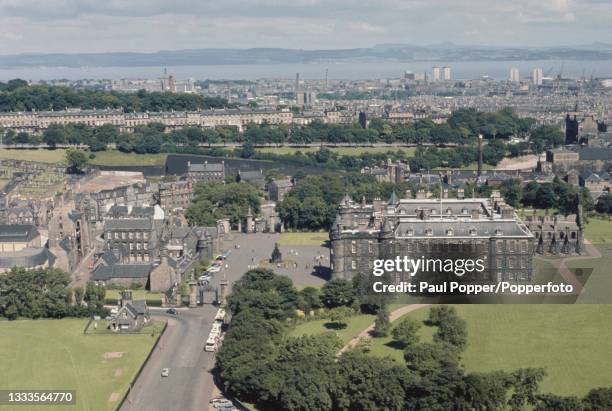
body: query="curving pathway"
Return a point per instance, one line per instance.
(393, 315)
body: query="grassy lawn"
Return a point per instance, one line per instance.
(355, 325)
(303, 238)
(118, 158)
(343, 151)
(571, 342)
(54, 354)
(599, 230)
(37, 155)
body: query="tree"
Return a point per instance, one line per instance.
(309, 299)
(452, 330)
(604, 204)
(54, 135)
(337, 293)
(598, 399)
(429, 358)
(406, 332)
(339, 315)
(76, 159)
(79, 293)
(551, 402)
(382, 324)
(525, 382)
(35, 293)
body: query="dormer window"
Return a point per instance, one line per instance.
(499, 232)
(464, 211)
(449, 232)
(449, 211)
(410, 232)
(429, 232)
(473, 231)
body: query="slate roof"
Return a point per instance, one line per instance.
(484, 228)
(284, 183)
(592, 153)
(28, 257)
(205, 167)
(17, 233)
(128, 224)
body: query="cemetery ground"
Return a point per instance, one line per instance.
(55, 354)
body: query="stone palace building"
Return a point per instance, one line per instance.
(479, 228)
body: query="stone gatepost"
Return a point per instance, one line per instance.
(193, 294)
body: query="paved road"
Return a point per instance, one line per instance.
(190, 384)
(181, 350)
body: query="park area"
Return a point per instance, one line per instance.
(571, 342)
(55, 354)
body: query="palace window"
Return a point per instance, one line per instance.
(353, 247)
(354, 264)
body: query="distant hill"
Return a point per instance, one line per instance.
(445, 52)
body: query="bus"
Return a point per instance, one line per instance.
(211, 344)
(220, 317)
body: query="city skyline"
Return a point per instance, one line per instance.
(64, 26)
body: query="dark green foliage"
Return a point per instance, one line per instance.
(17, 95)
(309, 298)
(551, 402)
(525, 382)
(406, 332)
(216, 200)
(39, 293)
(337, 293)
(604, 204)
(428, 358)
(382, 324)
(487, 392)
(77, 160)
(598, 399)
(368, 383)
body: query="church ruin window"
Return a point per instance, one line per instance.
(561, 234)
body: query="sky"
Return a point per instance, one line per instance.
(76, 26)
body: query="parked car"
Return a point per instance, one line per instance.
(214, 269)
(205, 277)
(172, 311)
(165, 372)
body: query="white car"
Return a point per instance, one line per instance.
(165, 372)
(204, 278)
(214, 269)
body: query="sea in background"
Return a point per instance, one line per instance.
(498, 70)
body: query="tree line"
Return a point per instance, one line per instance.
(18, 95)
(46, 293)
(262, 363)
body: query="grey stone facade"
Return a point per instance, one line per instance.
(479, 228)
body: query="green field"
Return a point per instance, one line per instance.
(598, 230)
(571, 342)
(118, 158)
(54, 354)
(355, 325)
(343, 151)
(37, 155)
(305, 238)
